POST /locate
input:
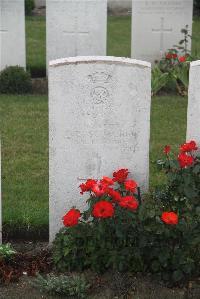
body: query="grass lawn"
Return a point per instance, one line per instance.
(119, 40)
(24, 129)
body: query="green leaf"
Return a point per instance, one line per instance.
(177, 275)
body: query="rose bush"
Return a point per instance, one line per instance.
(171, 73)
(106, 235)
(120, 231)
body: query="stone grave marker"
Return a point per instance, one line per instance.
(12, 33)
(99, 121)
(0, 201)
(193, 113)
(76, 27)
(156, 26)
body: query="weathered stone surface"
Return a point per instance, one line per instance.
(193, 114)
(99, 121)
(40, 3)
(0, 201)
(12, 33)
(156, 26)
(77, 27)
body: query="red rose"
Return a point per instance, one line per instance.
(189, 146)
(107, 180)
(182, 58)
(71, 218)
(185, 160)
(103, 209)
(116, 196)
(85, 187)
(167, 149)
(168, 56)
(174, 55)
(130, 185)
(169, 218)
(120, 176)
(129, 202)
(100, 189)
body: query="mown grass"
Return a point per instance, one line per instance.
(24, 130)
(24, 136)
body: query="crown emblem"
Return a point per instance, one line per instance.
(100, 77)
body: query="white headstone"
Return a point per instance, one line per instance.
(193, 114)
(156, 26)
(40, 3)
(76, 27)
(99, 121)
(12, 33)
(0, 202)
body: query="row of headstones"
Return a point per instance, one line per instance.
(79, 27)
(99, 120)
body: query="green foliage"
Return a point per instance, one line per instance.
(6, 251)
(158, 80)
(29, 6)
(172, 72)
(15, 80)
(172, 253)
(100, 246)
(141, 241)
(196, 6)
(73, 286)
(183, 183)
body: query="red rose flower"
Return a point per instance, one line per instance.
(85, 187)
(185, 160)
(182, 58)
(116, 196)
(71, 218)
(107, 180)
(174, 55)
(189, 146)
(100, 189)
(129, 202)
(168, 56)
(130, 185)
(103, 209)
(120, 176)
(169, 218)
(167, 149)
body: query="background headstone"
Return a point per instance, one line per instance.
(76, 27)
(40, 3)
(193, 114)
(12, 33)
(99, 121)
(0, 202)
(156, 26)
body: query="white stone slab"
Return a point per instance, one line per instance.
(12, 33)
(76, 27)
(193, 113)
(156, 26)
(99, 121)
(40, 3)
(0, 202)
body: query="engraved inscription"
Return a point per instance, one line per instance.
(159, 7)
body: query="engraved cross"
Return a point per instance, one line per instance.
(76, 33)
(162, 30)
(3, 31)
